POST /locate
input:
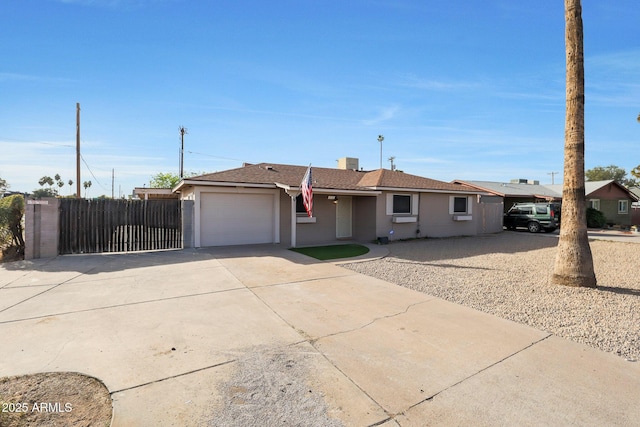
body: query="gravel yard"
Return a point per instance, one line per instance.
(508, 275)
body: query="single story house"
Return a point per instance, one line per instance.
(611, 198)
(261, 203)
(516, 191)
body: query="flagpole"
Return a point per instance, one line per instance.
(306, 190)
(293, 221)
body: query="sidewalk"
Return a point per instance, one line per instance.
(614, 235)
(164, 332)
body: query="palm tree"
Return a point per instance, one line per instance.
(86, 185)
(574, 262)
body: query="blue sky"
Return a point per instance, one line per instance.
(467, 89)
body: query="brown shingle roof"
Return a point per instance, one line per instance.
(269, 173)
(326, 178)
(384, 178)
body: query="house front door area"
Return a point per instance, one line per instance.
(344, 217)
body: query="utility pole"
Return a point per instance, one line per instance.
(183, 131)
(391, 159)
(553, 174)
(113, 172)
(78, 150)
(380, 139)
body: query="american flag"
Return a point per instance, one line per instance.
(307, 192)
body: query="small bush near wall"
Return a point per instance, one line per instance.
(595, 218)
(11, 229)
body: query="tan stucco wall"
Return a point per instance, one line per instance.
(438, 222)
(321, 231)
(434, 219)
(364, 218)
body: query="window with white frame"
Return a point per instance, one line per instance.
(594, 203)
(623, 206)
(460, 205)
(402, 204)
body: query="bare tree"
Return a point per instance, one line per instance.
(574, 262)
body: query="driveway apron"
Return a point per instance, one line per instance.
(165, 331)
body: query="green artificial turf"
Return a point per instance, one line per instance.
(333, 251)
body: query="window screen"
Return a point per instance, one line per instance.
(460, 205)
(401, 204)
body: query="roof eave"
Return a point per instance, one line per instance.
(224, 184)
(427, 190)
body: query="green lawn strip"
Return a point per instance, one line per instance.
(324, 253)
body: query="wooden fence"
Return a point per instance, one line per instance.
(105, 225)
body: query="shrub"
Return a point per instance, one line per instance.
(595, 218)
(11, 213)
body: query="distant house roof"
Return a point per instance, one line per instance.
(593, 186)
(272, 175)
(536, 190)
(154, 193)
(505, 189)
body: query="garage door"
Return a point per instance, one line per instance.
(236, 219)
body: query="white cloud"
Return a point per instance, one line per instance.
(384, 115)
(415, 82)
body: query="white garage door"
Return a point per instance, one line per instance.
(236, 219)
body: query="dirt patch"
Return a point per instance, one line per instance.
(270, 388)
(54, 399)
(10, 254)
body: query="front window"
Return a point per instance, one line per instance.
(623, 206)
(460, 205)
(595, 204)
(300, 209)
(401, 204)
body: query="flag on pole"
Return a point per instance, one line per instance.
(307, 192)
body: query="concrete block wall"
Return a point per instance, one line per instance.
(41, 225)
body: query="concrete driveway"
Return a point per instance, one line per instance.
(164, 331)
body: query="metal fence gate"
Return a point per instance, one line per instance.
(105, 225)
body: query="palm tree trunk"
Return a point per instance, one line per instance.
(574, 262)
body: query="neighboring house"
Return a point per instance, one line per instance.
(611, 198)
(516, 191)
(144, 193)
(261, 203)
(635, 206)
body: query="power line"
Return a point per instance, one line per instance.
(91, 172)
(215, 157)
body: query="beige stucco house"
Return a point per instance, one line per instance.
(260, 203)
